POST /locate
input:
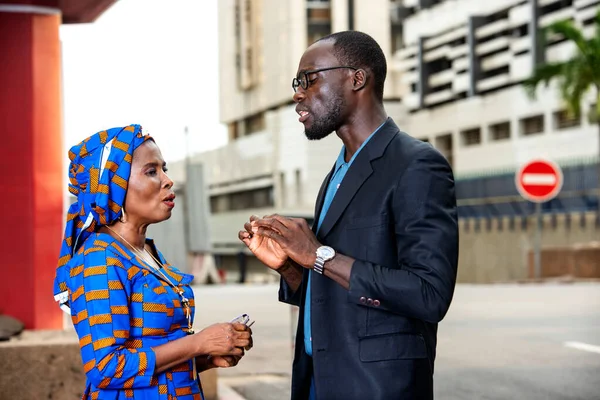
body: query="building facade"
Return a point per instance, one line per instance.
(455, 69)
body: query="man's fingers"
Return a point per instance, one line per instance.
(271, 223)
(287, 222)
(244, 237)
(271, 234)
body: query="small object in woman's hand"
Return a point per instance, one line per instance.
(241, 319)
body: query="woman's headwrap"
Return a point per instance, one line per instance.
(98, 174)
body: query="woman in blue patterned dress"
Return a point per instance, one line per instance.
(131, 309)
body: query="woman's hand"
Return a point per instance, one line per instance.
(246, 332)
(224, 339)
(209, 361)
(223, 361)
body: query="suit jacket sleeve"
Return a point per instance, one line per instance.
(287, 295)
(422, 283)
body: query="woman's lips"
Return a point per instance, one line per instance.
(170, 201)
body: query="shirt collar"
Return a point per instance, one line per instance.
(341, 157)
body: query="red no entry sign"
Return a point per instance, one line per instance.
(539, 180)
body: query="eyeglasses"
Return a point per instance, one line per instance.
(302, 79)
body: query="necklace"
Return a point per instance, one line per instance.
(184, 300)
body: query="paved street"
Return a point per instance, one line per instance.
(497, 342)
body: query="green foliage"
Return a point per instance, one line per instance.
(575, 76)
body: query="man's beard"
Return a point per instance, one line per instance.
(323, 127)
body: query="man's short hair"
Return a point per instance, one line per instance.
(359, 50)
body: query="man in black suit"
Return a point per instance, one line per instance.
(376, 273)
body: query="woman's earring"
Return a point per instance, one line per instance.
(123, 217)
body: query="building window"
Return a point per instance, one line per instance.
(520, 31)
(282, 190)
(555, 6)
(397, 37)
(471, 137)
(563, 120)
(233, 130)
(532, 125)
(219, 204)
(318, 16)
(444, 144)
(254, 123)
(500, 131)
(248, 199)
(299, 187)
(244, 38)
(398, 13)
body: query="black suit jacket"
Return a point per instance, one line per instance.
(395, 213)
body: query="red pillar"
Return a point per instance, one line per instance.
(31, 154)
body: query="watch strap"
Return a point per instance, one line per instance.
(319, 265)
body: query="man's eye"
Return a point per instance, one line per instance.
(151, 172)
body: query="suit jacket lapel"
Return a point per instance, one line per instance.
(321, 199)
(359, 172)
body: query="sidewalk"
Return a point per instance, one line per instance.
(227, 393)
(255, 387)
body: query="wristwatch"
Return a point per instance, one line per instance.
(324, 254)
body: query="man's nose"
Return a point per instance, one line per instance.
(299, 95)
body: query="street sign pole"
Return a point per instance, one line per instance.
(537, 263)
(539, 181)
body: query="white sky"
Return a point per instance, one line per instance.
(152, 62)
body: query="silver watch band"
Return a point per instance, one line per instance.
(319, 265)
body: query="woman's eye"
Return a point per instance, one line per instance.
(165, 169)
(151, 172)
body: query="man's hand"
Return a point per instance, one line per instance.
(292, 235)
(268, 251)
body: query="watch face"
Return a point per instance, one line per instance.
(326, 252)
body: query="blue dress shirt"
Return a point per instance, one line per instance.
(341, 168)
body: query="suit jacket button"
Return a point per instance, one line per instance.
(376, 303)
(369, 301)
(363, 300)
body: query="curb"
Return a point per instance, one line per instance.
(225, 392)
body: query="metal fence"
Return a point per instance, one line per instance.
(495, 194)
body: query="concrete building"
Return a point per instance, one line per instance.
(454, 74)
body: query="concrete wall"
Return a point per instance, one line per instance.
(501, 255)
(47, 365)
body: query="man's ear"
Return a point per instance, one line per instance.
(359, 79)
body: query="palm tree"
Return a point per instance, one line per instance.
(576, 76)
